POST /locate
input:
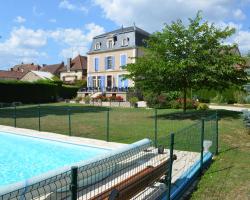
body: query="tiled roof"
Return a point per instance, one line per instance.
(78, 63)
(53, 69)
(26, 67)
(11, 75)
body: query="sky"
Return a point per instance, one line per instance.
(50, 31)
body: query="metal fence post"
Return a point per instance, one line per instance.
(73, 185)
(201, 144)
(156, 128)
(171, 159)
(39, 117)
(15, 115)
(217, 134)
(107, 126)
(69, 114)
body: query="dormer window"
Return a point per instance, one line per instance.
(110, 44)
(125, 41)
(97, 45)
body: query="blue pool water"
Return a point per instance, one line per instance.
(23, 157)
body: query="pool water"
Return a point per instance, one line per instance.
(22, 157)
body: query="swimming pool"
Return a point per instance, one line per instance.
(23, 157)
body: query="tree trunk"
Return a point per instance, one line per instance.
(184, 100)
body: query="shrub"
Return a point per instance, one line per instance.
(240, 97)
(175, 104)
(119, 98)
(86, 99)
(202, 106)
(78, 99)
(133, 101)
(179, 103)
(34, 92)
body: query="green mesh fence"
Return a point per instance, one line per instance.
(124, 125)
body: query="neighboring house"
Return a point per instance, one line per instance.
(75, 69)
(108, 57)
(26, 67)
(54, 69)
(11, 75)
(32, 76)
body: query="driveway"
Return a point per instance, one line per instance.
(231, 108)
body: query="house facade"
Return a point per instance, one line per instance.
(108, 57)
(75, 69)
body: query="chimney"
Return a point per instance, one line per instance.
(68, 64)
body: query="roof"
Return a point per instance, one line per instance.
(123, 30)
(26, 67)
(78, 63)
(53, 69)
(11, 75)
(133, 36)
(43, 75)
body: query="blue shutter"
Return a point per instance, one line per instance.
(106, 63)
(125, 82)
(113, 62)
(102, 83)
(123, 60)
(96, 64)
(119, 81)
(90, 81)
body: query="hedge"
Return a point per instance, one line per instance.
(34, 92)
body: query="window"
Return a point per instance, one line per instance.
(125, 41)
(110, 44)
(99, 81)
(94, 81)
(109, 62)
(97, 45)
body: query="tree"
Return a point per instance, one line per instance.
(194, 56)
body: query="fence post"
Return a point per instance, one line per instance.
(69, 114)
(73, 185)
(171, 159)
(39, 117)
(107, 126)
(156, 128)
(15, 115)
(217, 134)
(201, 144)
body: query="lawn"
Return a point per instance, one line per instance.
(227, 178)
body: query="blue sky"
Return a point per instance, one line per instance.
(49, 31)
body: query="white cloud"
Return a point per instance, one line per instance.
(22, 46)
(36, 12)
(77, 40)
(25, 45)
(66, 4)
(238, 14)
(52, 20)
(242, 38)
(152, 15)
(19, 19)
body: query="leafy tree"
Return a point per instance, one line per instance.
(182, 56)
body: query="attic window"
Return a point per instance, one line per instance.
(125, 41)
(97, 45)
(110, 43)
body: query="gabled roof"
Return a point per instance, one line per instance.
(26, 67)
(53, 69)
(43, 75)
(78, 63)
(11, 75)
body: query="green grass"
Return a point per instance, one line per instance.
(227, 178)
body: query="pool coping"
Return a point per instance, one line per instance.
(62, 138)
